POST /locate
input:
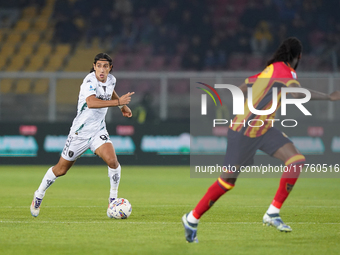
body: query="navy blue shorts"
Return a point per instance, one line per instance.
(241, 149)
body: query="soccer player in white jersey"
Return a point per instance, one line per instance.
(88, 128)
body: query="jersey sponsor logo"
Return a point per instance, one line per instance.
(105, 97)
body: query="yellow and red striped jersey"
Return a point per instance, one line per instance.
(278, 74)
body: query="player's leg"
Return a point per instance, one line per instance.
(190, 220)
(52, 174)
(240, 151)
(107, 153)
(222, 185)
(49, 178)
(294, 162)
(102, 146)
(73, 149)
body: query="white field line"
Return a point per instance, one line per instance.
(177, 205)
(155, 223)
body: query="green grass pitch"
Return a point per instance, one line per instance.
(73, 217)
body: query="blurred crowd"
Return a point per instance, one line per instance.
(204, 33)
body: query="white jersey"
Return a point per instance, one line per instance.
(89, 121)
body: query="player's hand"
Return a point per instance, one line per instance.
(125, 99)
(126, 111)
(335, 96)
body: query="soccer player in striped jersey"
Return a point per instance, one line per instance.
(244, 141)
(88, 129)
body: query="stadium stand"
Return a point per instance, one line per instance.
(23, 86)
(40, 86)
(229, 33)
(6, 86)
(153, 36)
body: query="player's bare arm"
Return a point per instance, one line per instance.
(93, 102)
(335, 96)
(126, 111)
(114, 95)
(316, 95)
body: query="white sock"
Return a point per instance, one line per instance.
(272, 209)
(114, 175)
(191, 218)
(46, 182)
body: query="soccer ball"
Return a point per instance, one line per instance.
(120, 208)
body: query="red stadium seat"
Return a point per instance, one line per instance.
(236, 61)
(119, 62)
(309, 63)
(145, 50)
(137, 63)
(142, 86)
(175, 63)
(123, 86)
(181, 48)
(254, 63)
(240, 5)
(156, 63)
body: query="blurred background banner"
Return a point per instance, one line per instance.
(47, 47)
(149, 144)
(159, 144)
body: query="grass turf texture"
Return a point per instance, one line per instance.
(73, 217)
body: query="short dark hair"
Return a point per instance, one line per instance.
(102, 56)
(287, 51)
